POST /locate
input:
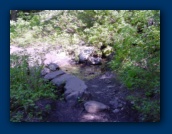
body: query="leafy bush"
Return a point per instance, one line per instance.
(133, 34)
(137, 59)
(25, 89)
(149, 109)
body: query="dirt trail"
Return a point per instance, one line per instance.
(103, 88)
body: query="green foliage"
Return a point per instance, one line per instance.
(133, 34)
(149, 109)
(25, 89)
(137, 59)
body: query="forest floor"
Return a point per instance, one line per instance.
(103, 90)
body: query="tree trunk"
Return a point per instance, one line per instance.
(13, 15)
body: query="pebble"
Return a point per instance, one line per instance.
(116, 111)
(107, 81)
(120, 105)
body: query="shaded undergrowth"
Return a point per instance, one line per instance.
(26, 88)
(133, 35)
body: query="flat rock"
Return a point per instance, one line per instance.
(45, 71)
(53, 75)
(62, 79)
(53, 66)
(74, 89)
(94, 106)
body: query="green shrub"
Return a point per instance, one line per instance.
(149, 109)
(136, 44)
(137, 59)
(26, 88)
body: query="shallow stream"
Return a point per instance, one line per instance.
(84, 72)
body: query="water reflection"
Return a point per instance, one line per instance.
(84, 72)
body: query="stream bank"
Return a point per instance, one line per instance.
(101, 83)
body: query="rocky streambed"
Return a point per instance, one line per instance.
(100, 99)
(91, 94)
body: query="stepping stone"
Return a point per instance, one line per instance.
(74, 89)
(45, 71)
(62, 79)
(53, 75)
(53, 66)
(94, 106)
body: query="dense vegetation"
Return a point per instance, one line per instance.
(133, 35)
(26, 89)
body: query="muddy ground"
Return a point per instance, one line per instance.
(102, 90)
(102, 84)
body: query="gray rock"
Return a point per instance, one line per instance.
(82, 58)
(114, 103)
(94, 106)
(90, 55)
(120, 105)
(53, 66)
(74, 89)
(62, 79)
(85, 54)
(95, 60)
(116, 111)
(53, 75)
(122, 108)
(45, 71)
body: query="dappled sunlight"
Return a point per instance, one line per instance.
(87, 117)
(111, 53)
